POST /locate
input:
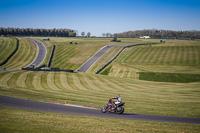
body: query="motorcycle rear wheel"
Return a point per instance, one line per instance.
(121, 111)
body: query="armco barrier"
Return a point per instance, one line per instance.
(50, 69)
(6, 60)
(120, 53)
(51, 56)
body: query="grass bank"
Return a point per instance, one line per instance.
(13, 119)
(142, 97)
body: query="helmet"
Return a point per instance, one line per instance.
(110, 100)
(118, 95)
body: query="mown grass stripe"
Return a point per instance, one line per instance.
(98, 83)
(77, 82)
(64, 81)
(29, 80)
(12, 81)
(71, 82)
(37, 81)
(44, 82)
(103, 83)
(51, 81)
(22, 78)
(4, 80)
(90, 83)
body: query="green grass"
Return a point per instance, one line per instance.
(7, 45)
(72, 56)
(89, 89)
(13, 119)
(171, 57)
(173, 99)
(25, 54)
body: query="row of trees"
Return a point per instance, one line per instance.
(107, 35)
(83, 34)
(160, 34)
(37, 32)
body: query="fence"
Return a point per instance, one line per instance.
(49, 69)
(51, 56)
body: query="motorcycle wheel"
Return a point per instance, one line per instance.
(103, 110)
(120, 111)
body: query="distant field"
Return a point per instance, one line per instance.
(25, 54)
(173, 99)
(171, 57)
(7, 46)
(72, 56)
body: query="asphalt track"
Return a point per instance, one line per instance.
(95, 57)
(17, 103)
(41, 54)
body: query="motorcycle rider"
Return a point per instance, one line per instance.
(112, 104)
(119, 99)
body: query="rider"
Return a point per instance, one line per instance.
(119, 99)
(112, 104)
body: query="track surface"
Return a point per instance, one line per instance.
(56, 108)
(41, 54)
(95, 57)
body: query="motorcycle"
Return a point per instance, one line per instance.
(118, 108)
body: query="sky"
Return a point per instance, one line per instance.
(101, 16)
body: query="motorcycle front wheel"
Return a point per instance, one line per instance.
(103, 109)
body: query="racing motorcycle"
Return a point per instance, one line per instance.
(118, 108)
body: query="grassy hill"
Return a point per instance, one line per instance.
(72, 56)
(7, 45)
(89, 89)
(25, 54)
(174, 99)
(171, 57)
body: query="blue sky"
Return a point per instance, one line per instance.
(101, 16)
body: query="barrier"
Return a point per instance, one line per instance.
(6, 60)
(47, 69)
(97, 72)
(51, 56)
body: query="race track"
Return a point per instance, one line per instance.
(6, 101)
(95, 57)
(41, 54)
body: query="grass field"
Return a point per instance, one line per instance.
(94, 90)
(7, 45)
(172, 57)
(173, 99)
(25, 54)
(72, 56)
(62, 123)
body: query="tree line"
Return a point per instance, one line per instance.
(160, 34)
(37, 32)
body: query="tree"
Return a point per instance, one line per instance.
(88, 34)
(103, 34)
(83, 34)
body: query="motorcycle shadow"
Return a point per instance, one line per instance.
(126, 114)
